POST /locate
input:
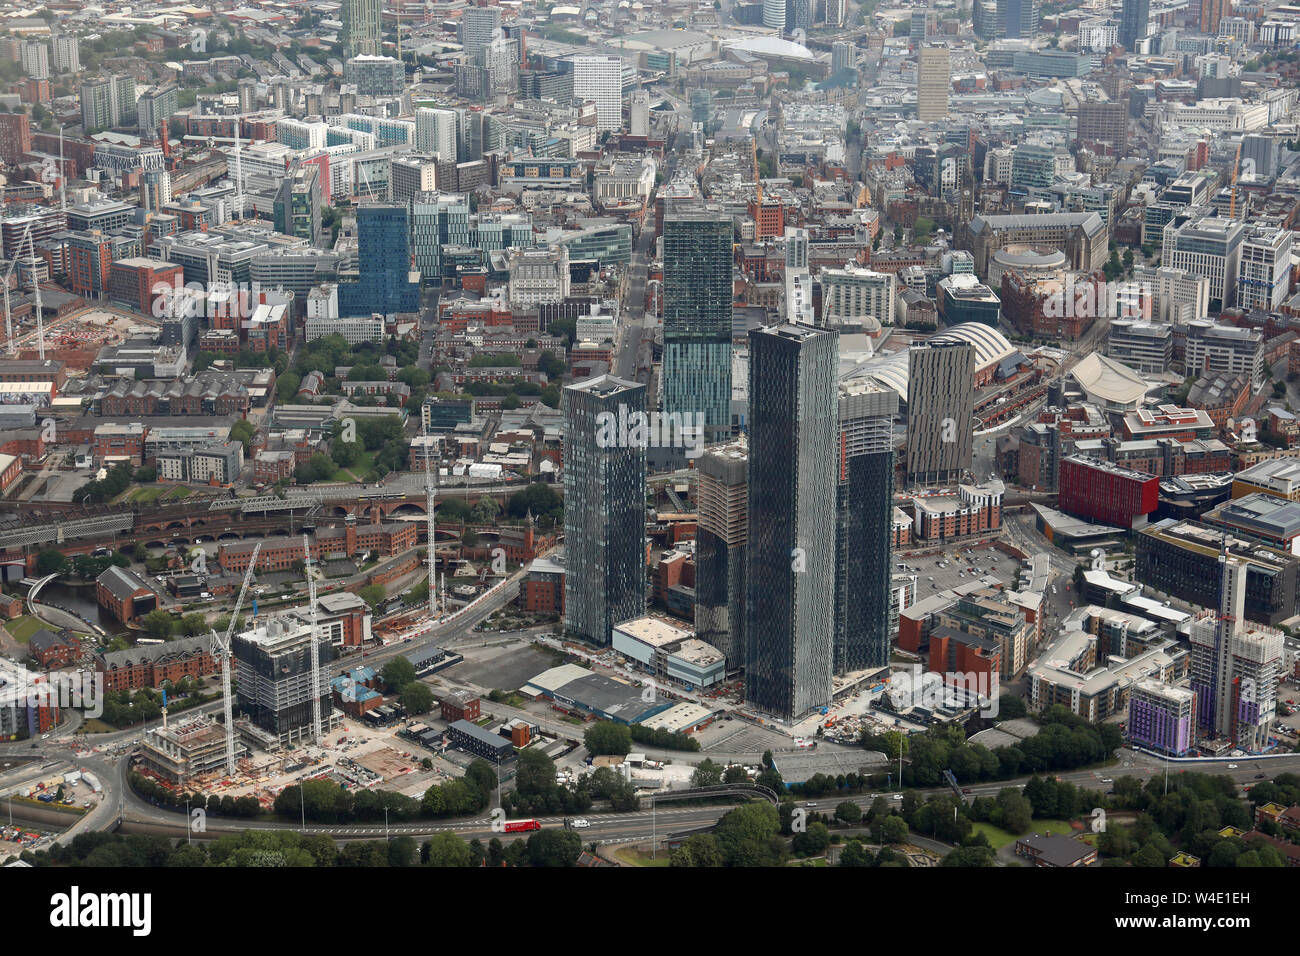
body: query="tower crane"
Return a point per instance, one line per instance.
(430, 502)
(1236, 169)
(36, 291)
(40, 324)
(222, 645)
(758, 178)
(315, 646)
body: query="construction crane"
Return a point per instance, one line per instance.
(758, 178)
(222, 645)
(315, 647)
(9, 325)
(36, 291)
(1232, 200)
(430, 502)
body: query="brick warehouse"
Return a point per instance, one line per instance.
(153, 664)
(124, 594)
(388, 539)
(1102, 492)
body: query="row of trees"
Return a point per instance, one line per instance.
(1065, 742)
(262, 848)
(399, 673)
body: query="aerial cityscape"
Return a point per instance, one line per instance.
(650, 434)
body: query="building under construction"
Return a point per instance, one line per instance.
(186, 750)
(273, 674)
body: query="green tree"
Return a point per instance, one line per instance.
(707, 774)
(243, 431)
(416, 698)
(893, 829)
(849, 812)
(397, 673)
(605, 737)
(158, 624)
(372, 594)
(50, 562)
(812, 841)
(447, 849)
(554, 847)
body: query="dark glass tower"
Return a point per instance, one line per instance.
(604, 511)
(790, 551)
(722, 498)
(940, 407)
(864, 506)
(1133, 22)
(697, 315)
(387, 283)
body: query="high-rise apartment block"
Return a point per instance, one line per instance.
(604, 522)
(790, 549)
(722, 501)
(697, 316)
(940, 408)
(933, 83)
(864, 511)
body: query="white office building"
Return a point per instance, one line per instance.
(435, 132)
(1209, 246)
(1263, 277)
(854, 296)
(600, 79)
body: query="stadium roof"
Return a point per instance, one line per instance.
(772, 46)
(1110, 382)
(891, 369)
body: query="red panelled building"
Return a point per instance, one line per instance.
(1102, 492)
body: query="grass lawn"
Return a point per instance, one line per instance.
(22, 628)
(999, 838)
(180, 491)
(635, 857)
(96, 726)
(145, 495)
(360, 470)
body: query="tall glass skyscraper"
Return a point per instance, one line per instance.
(387, 283)
(697, 315)
(1133, 22)
(363, 30)
(790, 551)
(723, 506)
(604, 511)
(864, 509)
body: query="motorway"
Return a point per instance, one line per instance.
(645, 824)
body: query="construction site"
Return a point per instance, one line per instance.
(276, 674)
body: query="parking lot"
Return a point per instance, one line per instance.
(986, 560)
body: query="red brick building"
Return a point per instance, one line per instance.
(157, 665)
(15, 136)
(124, 594)
(132, 282)
(388, 539)
(460, 705)
(52, 650)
